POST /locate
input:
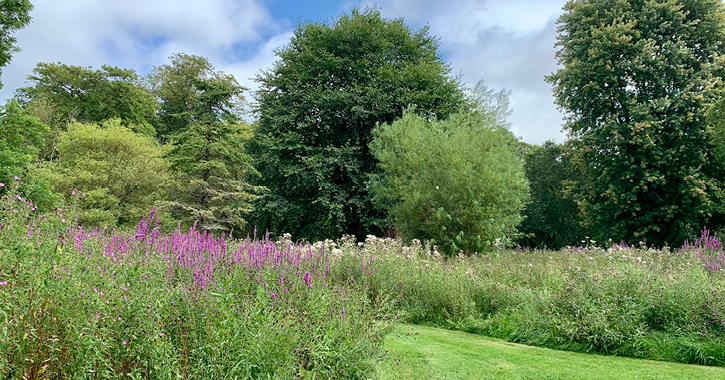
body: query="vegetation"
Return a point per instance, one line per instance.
(551, 218)
(317, 107)
(417, 352)
(459, 182)
(637, 80)
(120, 173)
(360, 130)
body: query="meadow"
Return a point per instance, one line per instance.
(101, 303)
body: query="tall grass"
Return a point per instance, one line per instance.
(637, 302)
(104, 304)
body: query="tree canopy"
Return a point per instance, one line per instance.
(317, 107)
(637, 79)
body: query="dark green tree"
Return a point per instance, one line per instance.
(209, 157)
(14, 15)
(459, 182)
(317, 107)
(61, 94)
(636, 82)
(551, 217)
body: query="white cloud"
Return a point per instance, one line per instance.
(508, 43)
(139, 34)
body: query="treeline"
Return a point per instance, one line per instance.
(360, 128)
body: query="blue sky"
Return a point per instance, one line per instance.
(507, 43)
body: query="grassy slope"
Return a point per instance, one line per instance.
(429, 353)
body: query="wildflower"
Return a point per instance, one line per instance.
(2, 184)
(74, 193)
(16, 178)
(62, 220)
(124, 342)
(3, 282)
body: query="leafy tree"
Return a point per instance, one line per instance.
(61, 94)
(120, 172)
(175, 86)
(551, 218)
(637, 79)
(459, 181)
(209, 155)
(22, 138)
(14, 15)
(317, 107)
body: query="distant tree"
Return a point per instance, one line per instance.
(551, 217)
(458, 181)
(175, 86)
(637, 78)
(61, 94)
(317, 107)
(14, 15)
(120, 172)
(209, 157)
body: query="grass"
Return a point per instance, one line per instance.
(418, 352)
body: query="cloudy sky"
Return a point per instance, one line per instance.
(507, 43)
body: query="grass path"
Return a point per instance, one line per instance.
(418, 352)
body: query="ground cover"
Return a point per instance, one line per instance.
(419, 352)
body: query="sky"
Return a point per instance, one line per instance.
(507, 43)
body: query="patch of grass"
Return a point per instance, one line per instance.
(418, 352)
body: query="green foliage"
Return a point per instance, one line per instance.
(208, 154)
(317, 108)
(14, 15)
(637, 79)
(22, 138)
(551, 218)
(61, 94)
(121, 173)
(459, 181)
(177, 88)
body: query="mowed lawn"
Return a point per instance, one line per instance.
(418, 352)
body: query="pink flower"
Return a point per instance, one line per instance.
(74, 193)
(2, 184)
(16, 178)
(124, 342)
(15, 211)
(3, 282)
(62, 220)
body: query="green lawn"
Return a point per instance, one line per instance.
(417, 352)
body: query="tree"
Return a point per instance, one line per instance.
(317, 107)
(551, 218)
(637, 79)
(120, 172)
(22, 138)
(458, 181)
(14, 15)
(61, 94)
(174, 86)
(208, 155)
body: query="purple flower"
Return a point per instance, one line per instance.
(16, 178)
(3, 282)
(2, 184)
(124, 342)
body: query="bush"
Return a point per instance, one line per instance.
(459, 181)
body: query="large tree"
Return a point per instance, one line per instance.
(175, 86)
(200, 115)
(636, 81)
(14, 15)
(317, 107)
